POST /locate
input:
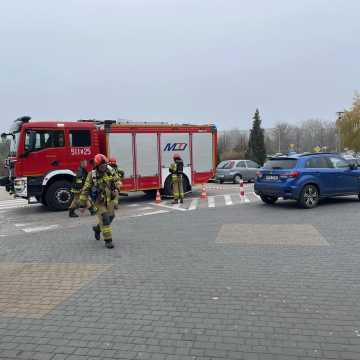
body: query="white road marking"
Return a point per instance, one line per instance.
(150, 213)
(256, 195)
(15, 204)
(226, 187)
(5, 204)
(21, 225)
(145, 208)
(133, 205)
(194, 204)
(11, 201)
(175, 207)
(228, 200)
(156, 212)
(247, 200)
(211, 201)
(40, 228)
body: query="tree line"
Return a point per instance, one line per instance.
(348, 124)
(310, 135)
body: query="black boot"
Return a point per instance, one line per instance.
(109, 244)
(97, 232)
(72, 213)
(92, 211)
(181, 201)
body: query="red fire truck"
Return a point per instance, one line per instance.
(45, 155)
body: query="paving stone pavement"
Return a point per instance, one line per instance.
(170, 290)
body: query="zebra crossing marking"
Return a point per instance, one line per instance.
(13, 204)
(150, 213)
(211, 201)
(228, 200)
(256, 195)
(173, 207)
(194, 204)
(40, 228)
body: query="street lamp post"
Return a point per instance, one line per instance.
(339, 115)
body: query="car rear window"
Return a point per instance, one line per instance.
(280, 164)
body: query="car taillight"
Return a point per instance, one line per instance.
(292, 174)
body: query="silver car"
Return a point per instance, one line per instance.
(235, 170)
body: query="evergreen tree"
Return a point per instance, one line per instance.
(256, 147)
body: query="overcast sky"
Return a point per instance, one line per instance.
(178, 60)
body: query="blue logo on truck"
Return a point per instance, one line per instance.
(175, 147)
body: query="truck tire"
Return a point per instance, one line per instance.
(58, 196)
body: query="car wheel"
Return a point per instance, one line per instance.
(309, 197)
(269, 199)
(237, 179)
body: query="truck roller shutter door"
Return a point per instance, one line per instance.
(202, 147)
(147, 161)
(121, 148)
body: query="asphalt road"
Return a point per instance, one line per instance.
(239, 281)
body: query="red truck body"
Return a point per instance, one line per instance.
(46, 155)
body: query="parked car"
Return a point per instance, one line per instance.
(307, 178)
(352, 159)
(219, 166)
(235, 170)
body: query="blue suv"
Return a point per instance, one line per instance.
(307, 178)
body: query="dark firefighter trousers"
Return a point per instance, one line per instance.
(105, 215)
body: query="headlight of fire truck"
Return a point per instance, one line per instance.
(20, 186)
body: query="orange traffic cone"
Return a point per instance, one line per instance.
(158, 197)
(203, 192)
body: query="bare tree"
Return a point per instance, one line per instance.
(232, 144)
(305, 137)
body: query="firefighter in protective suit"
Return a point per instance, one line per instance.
(120, 173)
(101, 183)
(176, 170)
(78, 183)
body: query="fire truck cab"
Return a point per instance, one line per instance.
(44, 155)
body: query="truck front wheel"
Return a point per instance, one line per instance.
(58, 196)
